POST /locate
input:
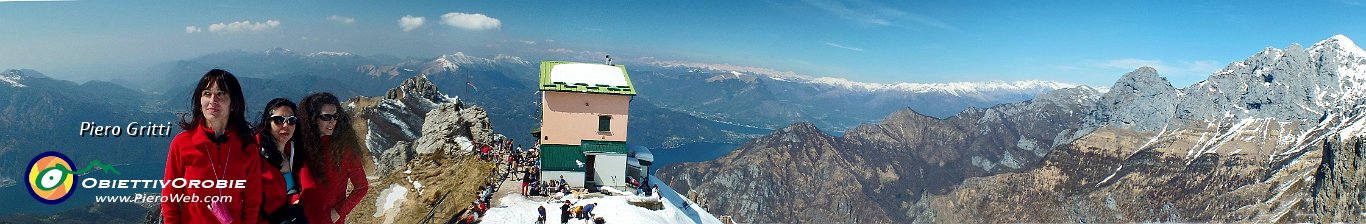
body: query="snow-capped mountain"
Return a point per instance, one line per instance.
(976, 89)
(770, 99)
(1292, 94)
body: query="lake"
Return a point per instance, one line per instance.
(691, 152)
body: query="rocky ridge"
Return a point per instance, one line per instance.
(865, 175)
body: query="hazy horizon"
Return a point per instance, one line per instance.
(1089, 43)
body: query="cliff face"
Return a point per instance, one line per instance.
(1338, 183)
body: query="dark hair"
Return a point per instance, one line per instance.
(265, 130)
(237, 120)
(325, 158)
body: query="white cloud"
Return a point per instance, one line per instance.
(408, 23)
(471, 21)
(342, 19)
(193, 29)
(843, 47)
(528, 42)
(243, 26)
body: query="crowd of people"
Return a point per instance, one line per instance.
(508, 162)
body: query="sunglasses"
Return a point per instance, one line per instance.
(284, 119)
(327, 117)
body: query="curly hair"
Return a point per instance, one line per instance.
(343, 143)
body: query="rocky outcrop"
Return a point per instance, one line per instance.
(451, 130)
(400, 113)
(424, 166)
(415, 119)
(1338, 183)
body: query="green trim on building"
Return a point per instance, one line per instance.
(562, 158)
(547, 85)
(604, 147)
(567, 157)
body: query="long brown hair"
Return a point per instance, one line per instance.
(237, 119)
(344, 142)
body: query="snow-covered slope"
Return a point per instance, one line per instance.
(515, 208)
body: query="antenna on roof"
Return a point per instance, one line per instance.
(609, 60)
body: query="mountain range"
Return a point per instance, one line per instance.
(1268, 139)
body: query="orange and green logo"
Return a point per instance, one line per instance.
(50, 179)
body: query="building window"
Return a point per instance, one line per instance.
(604, 123)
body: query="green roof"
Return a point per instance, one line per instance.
(562, 158)
(608, 147)
(585, 78)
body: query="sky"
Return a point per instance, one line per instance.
(1083, 42)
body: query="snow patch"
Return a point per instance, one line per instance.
(1355, 129)
(12, 80)
(591, 74)
(386, 205)
(1112, 175)
(329, 54)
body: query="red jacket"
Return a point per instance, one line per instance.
(193, 156)
(323, 198)
(273, 184)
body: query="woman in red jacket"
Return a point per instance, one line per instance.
(334, 153)
(215, 146)
(280, 164)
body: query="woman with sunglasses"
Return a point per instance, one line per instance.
(334, 153)
(214, 146)
(280, 170)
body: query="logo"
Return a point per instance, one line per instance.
(50, 179)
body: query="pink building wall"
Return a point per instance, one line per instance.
(569, 117)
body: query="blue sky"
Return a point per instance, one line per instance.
(1086, 42)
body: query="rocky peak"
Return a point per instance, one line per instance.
(418, 87)
(399, 115)
(26, 73)
(798, 136)
(1142, 80)
(1338, 45)
(1141, 100)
